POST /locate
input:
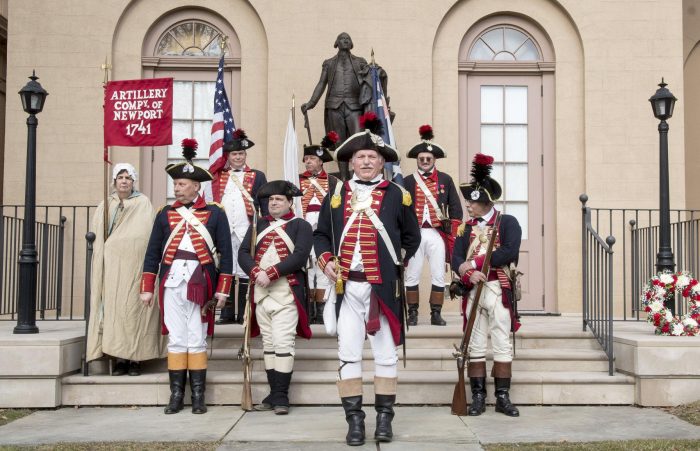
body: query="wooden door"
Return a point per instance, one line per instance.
(504, 120)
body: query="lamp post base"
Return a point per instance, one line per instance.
(25, 329)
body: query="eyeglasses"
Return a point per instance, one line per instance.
(425, 159)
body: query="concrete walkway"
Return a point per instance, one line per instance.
(323, 428)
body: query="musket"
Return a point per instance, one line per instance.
(244, 352)
(307, 126)
(459, 397)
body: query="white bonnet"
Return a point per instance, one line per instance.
(119, 167)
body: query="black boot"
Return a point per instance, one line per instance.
(412, 301)
(242, 296)
(355, 417)
(266, 403)
(478, 404)
(177, 391)
(228, 315)
(198, 385)
(282, 398)
(319, 312)
(435, 318)
(503, 403)
(384, 405)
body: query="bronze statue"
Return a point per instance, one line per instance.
(349, 92)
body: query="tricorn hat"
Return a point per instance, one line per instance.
(426, 144)
(281, 187)
(187, 169)
(323, 150)
(481, 188)
(370, 139)
(240, 141)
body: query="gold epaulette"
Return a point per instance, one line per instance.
(406, 196)
(216, 203)
(461, 228)
(335, 199)
(161, 208)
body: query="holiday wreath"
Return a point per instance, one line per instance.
(663, 288)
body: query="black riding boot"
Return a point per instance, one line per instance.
(198, 385)
(435, 317)
(384, 405)
(412, 300)
(228, 314)
(503, 403)
(319, 312)
(281, 403)
(177, 391)
(478, 404)
(242, 295)
(266, 403)
(355, 417)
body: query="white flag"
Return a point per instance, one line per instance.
(291, 161)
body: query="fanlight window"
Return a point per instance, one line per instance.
(191, 38)
(504, 44)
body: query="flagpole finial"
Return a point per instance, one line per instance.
(372, 54)
(222, 44)
(106, 67)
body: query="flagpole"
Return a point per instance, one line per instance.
(294, 120)
(105, 176)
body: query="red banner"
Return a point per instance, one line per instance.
(139, 112)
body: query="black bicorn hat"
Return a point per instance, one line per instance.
(370, 139)
(323, 150)
(187, 169)
(426, 144)
(481, 188)
(240, 141)
(281, 187)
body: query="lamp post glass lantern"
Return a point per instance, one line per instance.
(33, 97)
(662, 103)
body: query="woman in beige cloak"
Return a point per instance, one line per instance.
(121, 325)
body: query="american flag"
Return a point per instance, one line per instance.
(382, 111)
(222, 125)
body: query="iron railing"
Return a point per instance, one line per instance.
(635, 258)
(60, 232)
(597, 281)
(685, 236)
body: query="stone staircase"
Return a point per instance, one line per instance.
(555, 363)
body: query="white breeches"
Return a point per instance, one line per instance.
(492, 317)
(432, 247)
(187, 332)
(278, 327)
(354, 313)
(317, 279)
(235, 246)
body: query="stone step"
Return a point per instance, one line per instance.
(427, 337)
(318, 388)
(420, 359)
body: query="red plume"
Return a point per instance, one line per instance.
(480, 158)
(190, 143)
(333, 136)
(426, 132)
(239, 134)
(370, 121)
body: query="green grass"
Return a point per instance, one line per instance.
(629, 445)
(120, 446)
(9, 415)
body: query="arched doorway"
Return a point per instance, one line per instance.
(506, 105)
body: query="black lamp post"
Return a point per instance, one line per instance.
(662, 103)
(33, 96)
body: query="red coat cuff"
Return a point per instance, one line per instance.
(466, 276)
(272, 273)
(148, 282)
(224, 284)
(254, 273)
(479, 261)
(323, 260)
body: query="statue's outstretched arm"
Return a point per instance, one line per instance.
(318, 91)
